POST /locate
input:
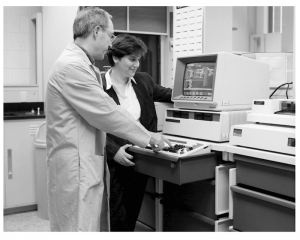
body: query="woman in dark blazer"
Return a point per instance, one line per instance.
(136, 92)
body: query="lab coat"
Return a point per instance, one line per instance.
(78, 113)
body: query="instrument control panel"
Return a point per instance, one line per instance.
(182, 147)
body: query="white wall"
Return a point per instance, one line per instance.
(261, 20)
(240, 31)
(288, 28)
(244, 24)
(274, 42)
(57, 33)
(217, 29)
(19, 68)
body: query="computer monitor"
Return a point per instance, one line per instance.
(219, 82)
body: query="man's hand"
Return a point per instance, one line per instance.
(157, 141)
(122, 157)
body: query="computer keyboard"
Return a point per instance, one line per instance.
(182, 147)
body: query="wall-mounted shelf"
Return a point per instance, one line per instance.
(21, 86)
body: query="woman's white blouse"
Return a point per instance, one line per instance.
(128, 100)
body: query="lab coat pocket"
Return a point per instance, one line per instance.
(91, 174)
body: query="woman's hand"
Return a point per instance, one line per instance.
(122, 157)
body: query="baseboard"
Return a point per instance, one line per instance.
(20, 209)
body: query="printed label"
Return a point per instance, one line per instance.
(259, 103)
(291, 142)
(237, 132)
(172, 120)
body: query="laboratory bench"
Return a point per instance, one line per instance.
(20, 127)
(229, 189)
(18, 111)
(263, 196)
(184, 194)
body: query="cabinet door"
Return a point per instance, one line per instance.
(152, 20)
(19, 167)
(119, 14)
(148, 19)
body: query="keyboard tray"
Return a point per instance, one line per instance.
(175, 169)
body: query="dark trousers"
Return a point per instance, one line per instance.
(127, 189)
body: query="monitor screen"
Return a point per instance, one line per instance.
(199, 79)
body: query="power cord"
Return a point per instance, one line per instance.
(286, 93)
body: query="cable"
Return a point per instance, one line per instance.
(280, 87)
(286, 92)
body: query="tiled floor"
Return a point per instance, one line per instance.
(25, 222)
(30, 222)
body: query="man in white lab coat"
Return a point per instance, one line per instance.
(78, 113)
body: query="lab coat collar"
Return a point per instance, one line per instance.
(88, 55)
(74, 48)
(108, 80)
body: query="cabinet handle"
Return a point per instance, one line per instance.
(9, 163)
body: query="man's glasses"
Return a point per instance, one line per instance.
(111, 35)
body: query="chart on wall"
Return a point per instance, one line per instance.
(188, 25)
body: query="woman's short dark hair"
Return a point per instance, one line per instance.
(125, 44)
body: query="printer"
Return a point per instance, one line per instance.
(271, 127)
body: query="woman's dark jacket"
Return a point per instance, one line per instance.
(147, 92)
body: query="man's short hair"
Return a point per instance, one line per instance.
(87, 19)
